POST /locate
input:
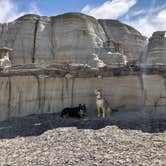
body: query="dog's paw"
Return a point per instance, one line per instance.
(98, 115)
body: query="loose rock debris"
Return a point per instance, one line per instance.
(77, 142)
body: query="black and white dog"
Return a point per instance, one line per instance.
(77, 112)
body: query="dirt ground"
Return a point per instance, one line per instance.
(46, 140)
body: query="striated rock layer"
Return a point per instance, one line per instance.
(49, 91)
(70, 37)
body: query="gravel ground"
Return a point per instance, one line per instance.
(45, 140)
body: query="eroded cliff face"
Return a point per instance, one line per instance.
(71, 37)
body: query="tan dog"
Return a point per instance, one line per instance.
(102, 104)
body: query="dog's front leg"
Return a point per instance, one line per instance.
(103, 111)
(98, 110)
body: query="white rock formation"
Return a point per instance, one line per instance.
(71, 36)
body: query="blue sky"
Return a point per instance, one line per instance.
(146, 16)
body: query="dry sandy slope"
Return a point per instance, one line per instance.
(39, 141)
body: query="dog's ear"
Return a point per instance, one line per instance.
(84, 105)
(96, 90)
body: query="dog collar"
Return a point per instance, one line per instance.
(99, 98)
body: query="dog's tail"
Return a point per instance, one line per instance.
(62, 114)
(109, 110)
(117, 108)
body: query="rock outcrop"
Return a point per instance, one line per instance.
(156, 51)
(70, 37)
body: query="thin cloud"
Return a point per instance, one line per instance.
(144, 20)
(110, 9)
(9, 10)
(138, 13)
(34, 8)
(144, 25)
(162, 15)
(153, 21)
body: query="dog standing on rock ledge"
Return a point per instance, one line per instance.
(102, 104)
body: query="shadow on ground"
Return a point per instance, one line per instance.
(34, 125)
